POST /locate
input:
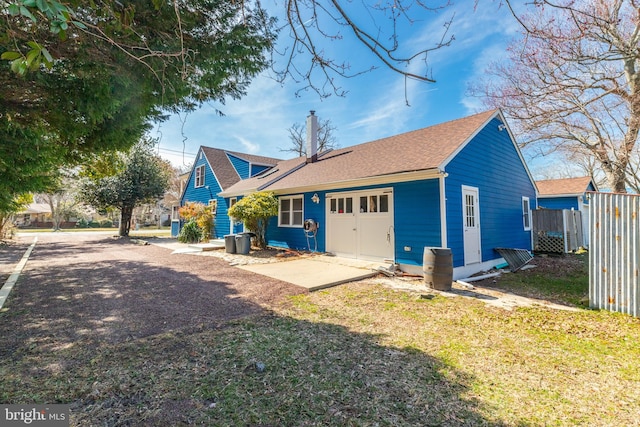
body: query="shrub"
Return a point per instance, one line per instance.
(93, 224)
(82, 223)
(190, 233)
(202, 215)
(255, 210)
(107, 223)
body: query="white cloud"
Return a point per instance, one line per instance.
(248, 146)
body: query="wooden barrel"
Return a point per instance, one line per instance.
(438, 268)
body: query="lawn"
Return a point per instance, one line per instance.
(359, 354)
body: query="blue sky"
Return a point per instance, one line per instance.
(375, 105)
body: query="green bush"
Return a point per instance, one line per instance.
(190, 233)
(82, 223)
(93, 224)
(255, 210)
(107, 223)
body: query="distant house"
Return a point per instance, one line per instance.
(214, 171)
(36, 214)
(461, 185)
(567, 193)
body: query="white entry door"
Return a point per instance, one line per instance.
(471, 225)
(360, 224)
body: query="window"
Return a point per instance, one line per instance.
(374, 203)
(526, 213)
(341, 205)
(175, 214)
(470, 214)
(213, 204)
(291, 211)
(199, 176)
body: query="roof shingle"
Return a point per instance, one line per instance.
(223, 168)
(563, 186)
(419, 150)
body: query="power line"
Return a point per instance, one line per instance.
(176, 151)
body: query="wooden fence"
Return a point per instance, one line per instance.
(557, 230)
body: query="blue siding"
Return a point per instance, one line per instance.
(416, 220)
(241, 166)
(558, 203)
(256, 169)
(222, 219)
(294, 237)
(204, 194)
(491, 163)
(175, 228)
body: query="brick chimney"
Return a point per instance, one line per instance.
(312, 137)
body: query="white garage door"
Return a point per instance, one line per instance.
(360, 224)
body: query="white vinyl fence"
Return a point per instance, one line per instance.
(614, 254)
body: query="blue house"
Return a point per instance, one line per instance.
(461, 185)
(567, 193)
(214, 171)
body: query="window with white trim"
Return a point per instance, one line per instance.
(341, 205)
(175, 213)
(199, 182)
(526, 213)
(291, 211)
(374, 203)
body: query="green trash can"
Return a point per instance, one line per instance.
(243, 243)
(230, 243)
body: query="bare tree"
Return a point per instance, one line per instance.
(298, 137)
(572, 82)
(62, 198)
(313, 23)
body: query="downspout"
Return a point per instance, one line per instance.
(443, 210)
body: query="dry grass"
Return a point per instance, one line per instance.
(354, 355)
(530, 366)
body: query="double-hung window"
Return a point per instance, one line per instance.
(199, 176)
(526, 213)
(291, 211)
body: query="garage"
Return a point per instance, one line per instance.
(360, 224)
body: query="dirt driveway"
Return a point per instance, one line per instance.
(92, 287)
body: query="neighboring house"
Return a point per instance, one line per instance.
(567, 193)
(214, 171)
(33, 215)
(461, 185)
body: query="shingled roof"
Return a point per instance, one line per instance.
(420, 150)
(224, 170)
(563, 187)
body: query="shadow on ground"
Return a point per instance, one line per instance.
(130, 335)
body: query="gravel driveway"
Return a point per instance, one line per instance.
(89, 286)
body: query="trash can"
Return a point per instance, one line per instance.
(438, 268)
(243, 243)
(230, 243)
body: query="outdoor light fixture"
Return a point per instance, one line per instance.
(315, 198)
